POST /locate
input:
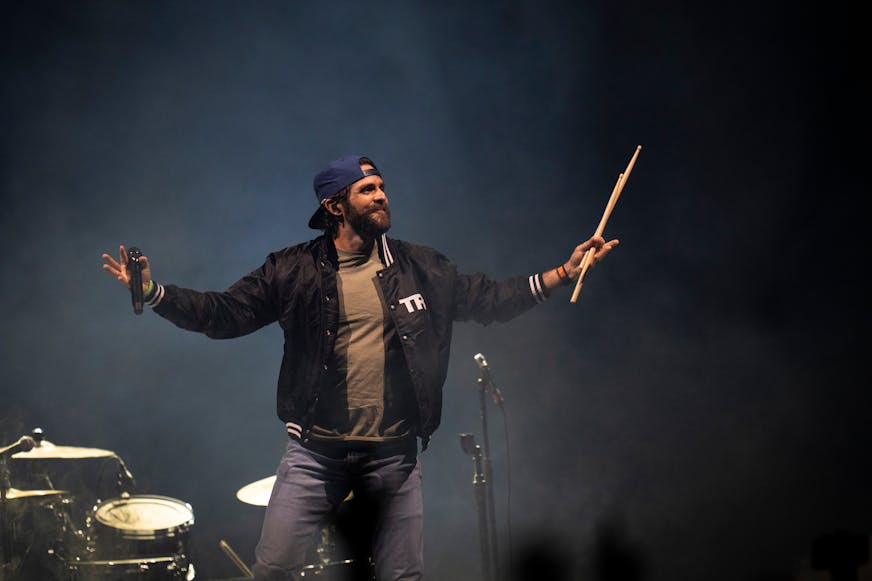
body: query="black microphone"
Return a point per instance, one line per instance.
(134, 269)
(24, 444)
(488, 378)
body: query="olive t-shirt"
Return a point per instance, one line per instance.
(368, 393)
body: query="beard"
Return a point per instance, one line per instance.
(371, 223)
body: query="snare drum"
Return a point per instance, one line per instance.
(141, 525)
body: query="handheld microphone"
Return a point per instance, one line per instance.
(134, 268)
(24, 444)
(488, 378)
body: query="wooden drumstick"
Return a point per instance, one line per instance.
(235, 558)
(613, 200)
(588, 256)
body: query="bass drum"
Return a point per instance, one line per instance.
(145, 535)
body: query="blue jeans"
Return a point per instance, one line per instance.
(311, 485)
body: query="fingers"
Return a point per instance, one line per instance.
(117, 269)
(119, 275)
(581, 249)
(603, 250)
(596, 246)
(146, 271)
(110, 262)
(594, 242)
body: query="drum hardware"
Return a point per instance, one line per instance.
(48, 450)
(326, 549)
(43, 448)
(80, 470)
(73, 534)
(61, 484)
(6, 491)
(334, 571)
(330, 564)
(225, 546)
(33, 524)
(15, 494)
(258, 492)
(133, 537)
(146, 568)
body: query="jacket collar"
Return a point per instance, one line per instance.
(384, 250)
(324, 247)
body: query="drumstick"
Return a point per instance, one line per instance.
(235, 558)
(588, 256)
(585, 262)
(613, 199)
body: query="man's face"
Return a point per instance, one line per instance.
(367, 209)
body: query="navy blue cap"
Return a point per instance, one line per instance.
(339, 173)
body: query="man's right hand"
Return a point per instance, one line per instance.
(118, 268)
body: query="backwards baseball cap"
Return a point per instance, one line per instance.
(339, 173)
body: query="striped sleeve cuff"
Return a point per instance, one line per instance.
(537, 288)
(155, 295)
(294, 429)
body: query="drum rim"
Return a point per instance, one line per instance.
(146, 533)
(322, 566)
(125, 561)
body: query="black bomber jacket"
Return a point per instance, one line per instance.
(296, 286)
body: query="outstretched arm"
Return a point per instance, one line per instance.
(243, 308)
(572, 267)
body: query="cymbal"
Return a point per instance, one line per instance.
(48, 450)
(258, 492)
(14, 493)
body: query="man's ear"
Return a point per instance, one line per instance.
(332, 206)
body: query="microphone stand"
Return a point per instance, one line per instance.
(485, 382)
(483, 479)
(480, 485)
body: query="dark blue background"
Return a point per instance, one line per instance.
(707, 395)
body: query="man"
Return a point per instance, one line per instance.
(367, 325)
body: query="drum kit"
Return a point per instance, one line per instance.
(70, 516)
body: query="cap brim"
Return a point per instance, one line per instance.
(316, 222)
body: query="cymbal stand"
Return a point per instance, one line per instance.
(5, 525)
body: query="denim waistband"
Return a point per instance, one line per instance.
(341, 448)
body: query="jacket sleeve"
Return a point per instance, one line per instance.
(477, 297)
(484, 300)
(247, 305)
